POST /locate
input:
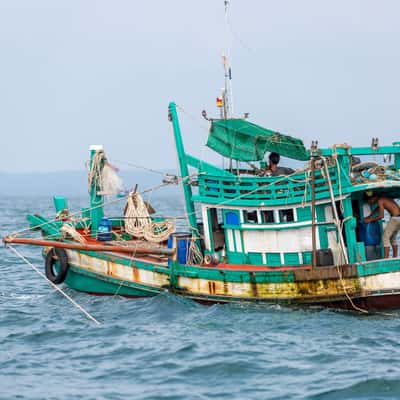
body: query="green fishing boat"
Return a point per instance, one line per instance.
(256, 232)
(296, 238)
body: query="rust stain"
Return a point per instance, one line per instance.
(253, 284)
(325, 273)
(226, 288)
(135, 274)
(211, 287)
(308, 289)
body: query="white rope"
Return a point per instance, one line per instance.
(335, 213)
(95, 172)
(137, 215)
(195, 256)
(69, 230)
(139, 224)
(79, 307)
(159, 231)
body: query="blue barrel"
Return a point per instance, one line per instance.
(370, 233)
(104, 231)
(182, 245)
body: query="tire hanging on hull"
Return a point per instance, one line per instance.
(56, 255)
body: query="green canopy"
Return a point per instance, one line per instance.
(244, 141)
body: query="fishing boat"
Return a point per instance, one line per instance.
(253, 235)
(292, 239)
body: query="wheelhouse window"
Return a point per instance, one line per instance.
(250, 217)
(267, 217)
(286, 215)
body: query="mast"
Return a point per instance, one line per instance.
(96, 200)
(227, 90)
(183, 169)
(313, 222)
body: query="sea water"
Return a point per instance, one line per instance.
(169, 347)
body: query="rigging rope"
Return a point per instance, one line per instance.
(78, 213)
(79, 307)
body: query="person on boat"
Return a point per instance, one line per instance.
(392, 227)
(274, 169)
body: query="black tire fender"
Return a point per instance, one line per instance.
(58, 255)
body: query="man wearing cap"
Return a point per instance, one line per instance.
(392, 227)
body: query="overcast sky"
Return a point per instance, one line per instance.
(75, 73)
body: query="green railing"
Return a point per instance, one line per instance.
(268, 190)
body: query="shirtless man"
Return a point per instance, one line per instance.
(392, 227)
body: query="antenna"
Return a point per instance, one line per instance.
(227, 97)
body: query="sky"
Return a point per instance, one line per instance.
(75, 73)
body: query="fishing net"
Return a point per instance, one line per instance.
(111, 183)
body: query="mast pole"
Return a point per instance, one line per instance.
(96, 200)
(227, 92)
(183, 169)
(314, 226)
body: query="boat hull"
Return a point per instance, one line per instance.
(373, 286)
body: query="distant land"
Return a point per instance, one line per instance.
(71, 183)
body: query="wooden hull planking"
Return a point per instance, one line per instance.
(106, 274)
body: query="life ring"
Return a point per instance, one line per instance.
(59, 256)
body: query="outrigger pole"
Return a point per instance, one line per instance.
(183, 169)
(90, 247)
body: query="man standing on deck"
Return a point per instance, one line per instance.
(392, 227)
(273, 168)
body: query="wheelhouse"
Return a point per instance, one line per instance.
(278, 221)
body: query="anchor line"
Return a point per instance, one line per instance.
(78, 306)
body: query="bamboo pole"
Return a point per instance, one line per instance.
(91, 247)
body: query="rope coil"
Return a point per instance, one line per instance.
(138, 222)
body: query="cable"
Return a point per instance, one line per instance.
(79, 307)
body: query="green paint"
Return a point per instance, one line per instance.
(87, 281)
(397, 156)
(349, 228)
(236, 258)
(377, 267)
(291, 258)
(48, 228)
(360, 252)
(60, 203)
(321, 229)
(183, 169)
(96, 201)
(307, 257)
(240, 139)
(274, 259)
(255, 258)
(303, 214)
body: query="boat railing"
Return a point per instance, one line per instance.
(289, 189)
